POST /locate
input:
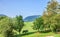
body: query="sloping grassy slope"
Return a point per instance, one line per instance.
(28, 26)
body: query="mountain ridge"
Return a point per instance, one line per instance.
(2, 15)
(31, 18)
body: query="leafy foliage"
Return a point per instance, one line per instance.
(50, 18)
(38, 24)
(19, 23)
(6, 27)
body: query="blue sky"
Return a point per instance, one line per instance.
(25, 8)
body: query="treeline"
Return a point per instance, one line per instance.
(50, 20)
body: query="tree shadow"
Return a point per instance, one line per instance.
(28, 33)
(23, 34)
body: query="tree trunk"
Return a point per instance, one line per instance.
(19, 31)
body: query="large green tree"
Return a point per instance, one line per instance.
(38, 24)
(6, 27)
(19, 23)
(50, 15)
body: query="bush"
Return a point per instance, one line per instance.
(45, 31)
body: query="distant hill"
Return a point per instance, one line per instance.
(31, 18)
(2, 15)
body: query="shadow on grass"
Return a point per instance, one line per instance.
(28, 33)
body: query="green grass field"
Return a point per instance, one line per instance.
(28, 26)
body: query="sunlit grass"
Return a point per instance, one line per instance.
(43, 35)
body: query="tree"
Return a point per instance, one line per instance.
(55, 23)
(6, 27)
(38, 24)
(1, 17)
(9, 32)
(52, 8)
(52, 12)
(19, 23)
(51, 16)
